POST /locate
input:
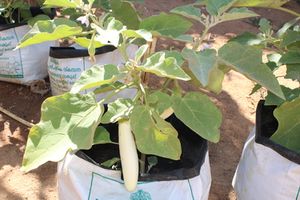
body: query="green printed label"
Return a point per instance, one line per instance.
(63, 73)
(10, 60)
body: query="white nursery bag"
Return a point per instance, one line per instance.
(264, 174)
(79, 179)
(22, 65)
(65, 66)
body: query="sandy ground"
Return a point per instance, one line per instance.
(237, 106)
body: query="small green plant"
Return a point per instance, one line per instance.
(284, 45)
(71, 121)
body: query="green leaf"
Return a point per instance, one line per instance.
(33, 20)
(289, 94)
(153, 135)
(213, 7)
(160, 101)
(265, 26)
(201, 63)
(237, 13)
(102, 136)
(175, 54)
(291, 57)
(290, 37)
(164, 67)
(85, 42)
(255, 89)
(125, 12)
(168, 25)
(288, 117)
(248, 61)
(293, 72)
(61, 3)
(68, 122)
(261, 3)
(188, 11)
(96, 76)
(200, 114)
(49, 30)
(140, 52)
(247, 39)
(110, 163)
(117, 110)
(137, 34)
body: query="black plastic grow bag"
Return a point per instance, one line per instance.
(266, 125)
(194, 150)
(34, 12)
(71, 52)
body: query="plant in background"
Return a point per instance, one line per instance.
(284, 45)
(70, 122)
(17, 11)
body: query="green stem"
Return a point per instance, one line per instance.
(200, 39)
(288, 11)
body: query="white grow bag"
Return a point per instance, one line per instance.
(80, 176)
(65, 66)
(267, 171)
(79, 179)
(22, 65)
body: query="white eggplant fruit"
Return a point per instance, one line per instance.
(128, 155)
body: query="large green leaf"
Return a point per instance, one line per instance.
(289, 94)
(201, 63)
(290, 37)
(101, 136)
(237, 13)
(68, 122)
(248, 61)
(293, 72)
(153, 135)
(247, 38)
(85, 42)
(160, 101)
(261, 3)
(288, 117)
(200, 114)
(50, 30)
(62, 3)
(119, 109)
(164, 67)
(168, 25)
(125, 12)
(188, 11)
(96, 76)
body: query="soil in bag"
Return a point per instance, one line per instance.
(266, 126)
(194, 150)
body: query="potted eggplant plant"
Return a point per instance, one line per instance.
(270, 164)
(154, 144)
(21, 66)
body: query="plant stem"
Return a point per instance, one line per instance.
(200, 40)
(288, 11)
(143, 164)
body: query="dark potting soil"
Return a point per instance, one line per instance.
(194, 149)
(266, 126)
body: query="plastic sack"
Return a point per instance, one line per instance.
(65, 65)
(81, 177)
(22, 65)
(267, 170)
